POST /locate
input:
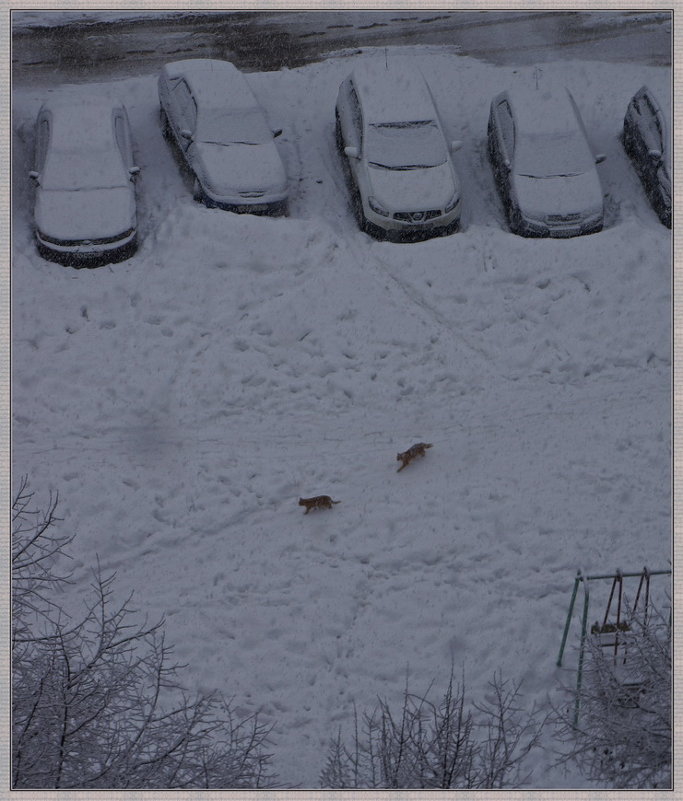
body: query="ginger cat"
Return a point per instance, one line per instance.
(415, 450)
(318, 502)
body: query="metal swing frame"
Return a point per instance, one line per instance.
(620, 625)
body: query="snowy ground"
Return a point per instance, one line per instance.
(182, 401)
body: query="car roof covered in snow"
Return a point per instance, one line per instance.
(392, 93)
(214, 82)
(543, 110)
(81, 123)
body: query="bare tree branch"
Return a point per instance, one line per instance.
(430, 745)
(96, 702)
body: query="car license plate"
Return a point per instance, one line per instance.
(252, 208)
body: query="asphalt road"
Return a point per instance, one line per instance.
(269, 40)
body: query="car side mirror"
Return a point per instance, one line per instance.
(186, 134)
(134, 172)
(277, 132)
(507, 165)
(655, 155)
(34, 176)
(351, 152)
(456, 144)
(600, 157)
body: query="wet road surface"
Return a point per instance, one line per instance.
(270, 40)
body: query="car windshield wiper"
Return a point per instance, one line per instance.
(227, 144)
(83, 188)
(550, 175)
(399, 166)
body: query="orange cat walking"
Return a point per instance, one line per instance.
(319, 502)
(415, 450)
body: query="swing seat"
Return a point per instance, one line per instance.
(610, 628)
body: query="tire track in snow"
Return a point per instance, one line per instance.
(418, 300)
(352, 242)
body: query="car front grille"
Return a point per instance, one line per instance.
(417, 216)
(564, 218)
(74, 243)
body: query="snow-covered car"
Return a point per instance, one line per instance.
(646, 141)
(84, 173)
(543, 165)
(221, 130)
(395, 154)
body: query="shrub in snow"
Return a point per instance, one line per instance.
(95, 702)
(444, 745)
(622, 734)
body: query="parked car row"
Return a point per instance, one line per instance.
(396, 157)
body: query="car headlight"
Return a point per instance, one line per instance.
(374, 205)
(452, 203)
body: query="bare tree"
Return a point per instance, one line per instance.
(621, 736)
(36, 547)
(96, 703)
(442, 745)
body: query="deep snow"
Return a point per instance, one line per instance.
(182, 401)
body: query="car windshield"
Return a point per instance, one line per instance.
(552, 156)
(405, 145)
(229, 127)
(80, 167)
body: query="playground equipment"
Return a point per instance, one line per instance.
(611, 633)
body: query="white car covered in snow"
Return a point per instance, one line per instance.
(395, 153)
(543, 165)
(222, 132)
(84, 172)
(646, 140)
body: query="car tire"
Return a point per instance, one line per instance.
(661, 208)
(489, 141)
(627, 140)
(358, 212)
(451, 228)
(338, 134)
(515, 219)
(197, 191)
(165, 127)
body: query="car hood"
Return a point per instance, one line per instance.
(413, 190)
(227, 169)
(561, 195)
(85, 213)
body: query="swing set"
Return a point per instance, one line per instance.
(617, 619)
